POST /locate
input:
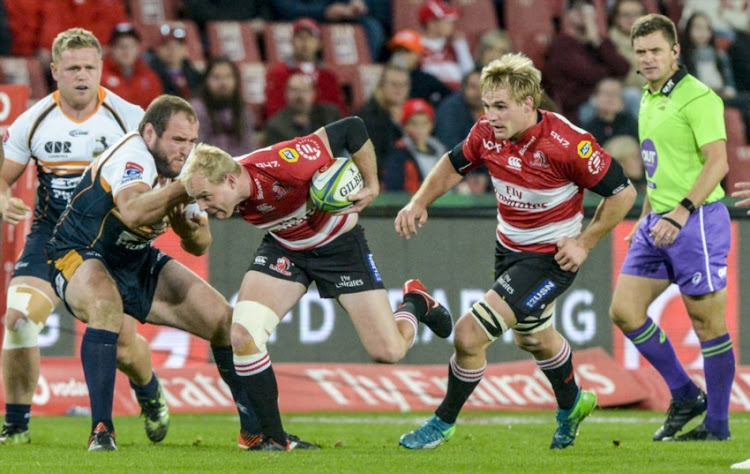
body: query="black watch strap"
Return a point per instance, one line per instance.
(688, 204)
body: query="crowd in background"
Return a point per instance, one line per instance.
(426, 97)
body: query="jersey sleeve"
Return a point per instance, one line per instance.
(127, 167)
(706, 117)
(471, 150)
(586, 162)
(301, 157)
(15, 141)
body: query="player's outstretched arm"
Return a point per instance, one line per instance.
(440, 180)
(140, 206)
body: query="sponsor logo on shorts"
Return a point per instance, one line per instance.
(373, 268)
(60, 285)
(348, 282)
(309, 149)
(260, 260)
(547, 287)
(20, 265)
(133, 171)
(282, 266)
(584, 149)
(697, 277)
(289, 154)
(504, 282)
(722, 272)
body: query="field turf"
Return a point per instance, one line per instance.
(610, 441)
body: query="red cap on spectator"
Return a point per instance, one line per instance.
(306, 24)
(436, 10)
(416, 106)
(409, 39)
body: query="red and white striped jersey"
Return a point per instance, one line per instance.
(281, 176)
(538, 179)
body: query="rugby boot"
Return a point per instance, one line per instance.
(679, 414)
(569, 420)
(437, 317)
(292, 442)
(155, 416)
(102, 439)
(430, 435)
(701, 433)
(12, 434)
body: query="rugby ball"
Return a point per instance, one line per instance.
(332, 183)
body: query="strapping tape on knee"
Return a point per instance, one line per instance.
(36, 307)
(259, 320)
(491, 321)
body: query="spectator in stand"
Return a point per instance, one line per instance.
(459, 111)
(492, 45)
(417, 152)
(726, 16)
(446, 52)
(579, 57)
(226, 122)
(24, 23)
(610, 119)
(125, 73)
(169, 59)
(711, 65)
(406, 51)
(202, 11)
(454, 118)
(382, 112)
(305, 59)
(338, 11)
(301, 116)
(623, 15)
(626, 150)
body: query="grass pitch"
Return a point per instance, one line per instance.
(610, 441)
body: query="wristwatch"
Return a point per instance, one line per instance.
(688, 204)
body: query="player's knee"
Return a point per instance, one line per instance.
(528, 342)
(252, 325)
(620, 315)
(468, 339)
(388, 354)
(28, 309)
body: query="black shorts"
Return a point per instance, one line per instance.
(343, 266)
(33, 261)
(136, 284)
(529, 282)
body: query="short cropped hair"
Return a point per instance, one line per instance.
(652, 23)
(210, 162)
(74, 38)
(161, 109)
(516, 73)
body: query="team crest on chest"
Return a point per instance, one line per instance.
(539, 160)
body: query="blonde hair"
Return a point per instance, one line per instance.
(74, 38)
(210, 162)
(516, 73)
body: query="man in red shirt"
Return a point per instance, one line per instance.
(125, 73)
(540, 165)
(305, 50)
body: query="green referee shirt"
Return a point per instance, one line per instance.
(673, 124)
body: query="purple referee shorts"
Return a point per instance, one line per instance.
(697, 259)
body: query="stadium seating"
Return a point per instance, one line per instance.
(530, 26)
(253, 77)
(153, 11)
(277, 38)
(22, 70)
(367, 78)
(477, 17)
(234, 39)
(738, 152)
(405, 14)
